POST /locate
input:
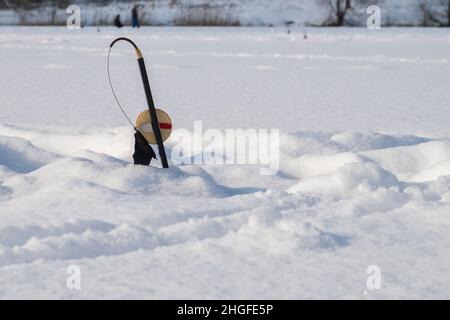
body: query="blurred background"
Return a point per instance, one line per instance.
(434, 13)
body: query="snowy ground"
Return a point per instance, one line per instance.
(364, 173)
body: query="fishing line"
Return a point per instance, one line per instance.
(112, 88)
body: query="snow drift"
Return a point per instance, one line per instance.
(131, 212)
(364, 175)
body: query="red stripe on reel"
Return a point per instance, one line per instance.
(165, 125)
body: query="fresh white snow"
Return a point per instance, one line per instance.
(364, 173)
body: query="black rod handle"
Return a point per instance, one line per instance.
(152, 110)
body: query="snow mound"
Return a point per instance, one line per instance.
(317, 165)
(347, 178)
(74, 241)
(21, 156)
(115, 142)
(408, 162)
(373, 141)
(287, 233)
(113, 174)
(433, 172)
(82, 202)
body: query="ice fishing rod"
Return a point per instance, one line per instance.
(155, 124)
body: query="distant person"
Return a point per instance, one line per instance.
(117, 21)
(134, 17)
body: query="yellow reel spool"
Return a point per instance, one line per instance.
(144, 125)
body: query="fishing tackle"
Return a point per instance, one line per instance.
(150, 122)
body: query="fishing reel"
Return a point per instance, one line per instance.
(144, 125)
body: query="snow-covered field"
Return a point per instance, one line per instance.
(364, 173)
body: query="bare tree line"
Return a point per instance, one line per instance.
(341, 12)
(23, 7)
(341, 9)
(435, 12)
